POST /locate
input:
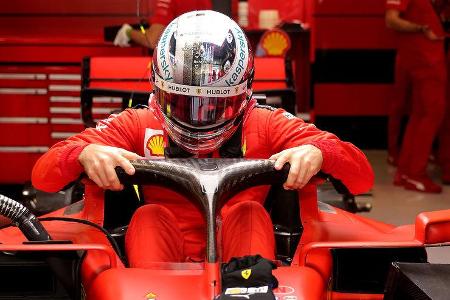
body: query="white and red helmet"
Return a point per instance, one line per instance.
(202, 76)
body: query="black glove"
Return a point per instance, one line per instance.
(248, 271)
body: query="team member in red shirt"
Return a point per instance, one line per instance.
(201, 107)
(444, 138)
(443, 7)
(165, 11)
(420, 67)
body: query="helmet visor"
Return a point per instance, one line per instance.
(200, 112)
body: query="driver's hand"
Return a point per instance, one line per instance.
(99, 163)
(305, 161)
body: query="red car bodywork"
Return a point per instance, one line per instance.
(105, 277)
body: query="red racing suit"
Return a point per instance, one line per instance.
(420, 68)
(265, 132)
(167, 10)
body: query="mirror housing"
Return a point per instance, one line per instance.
(433, 227)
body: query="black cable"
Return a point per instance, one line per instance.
(24, 219)
(111, 240)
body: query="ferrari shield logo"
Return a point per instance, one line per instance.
(246, 273)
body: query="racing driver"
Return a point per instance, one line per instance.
(202, 106)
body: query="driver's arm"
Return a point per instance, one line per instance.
(306, 147)
(112, 142)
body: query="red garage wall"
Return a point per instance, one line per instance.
(358, 29)
(42, 44)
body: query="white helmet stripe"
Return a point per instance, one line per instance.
(200, 91)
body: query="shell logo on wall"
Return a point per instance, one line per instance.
(275, 42)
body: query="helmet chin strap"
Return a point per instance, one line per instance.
(232, 148)
(175, 151)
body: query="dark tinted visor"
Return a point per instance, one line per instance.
(198, 111)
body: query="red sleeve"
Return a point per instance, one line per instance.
(400, 5)
(59, 166)
(163, 12)
(342, 160)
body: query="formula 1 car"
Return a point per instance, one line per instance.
(323, 252)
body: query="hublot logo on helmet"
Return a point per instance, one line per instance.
(179, 89)
(218, 92)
